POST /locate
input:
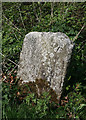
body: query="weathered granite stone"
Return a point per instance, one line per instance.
(45, 55)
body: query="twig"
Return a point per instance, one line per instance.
(52, 6)
(40, 11)
(34, 9)
(78, 33)
(22, 19)
(82, 46)
(7, 69)
(15, 36)
(12, 24)
(9, 59)
(12, 70)
(14, 33)
(80, 49)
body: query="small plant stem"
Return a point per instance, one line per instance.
(12, 24)
(78, 33)
(21, 18)
(9, 59)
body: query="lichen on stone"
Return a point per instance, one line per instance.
(45, 55)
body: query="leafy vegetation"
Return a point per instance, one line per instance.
(18, 19)
(24, 101)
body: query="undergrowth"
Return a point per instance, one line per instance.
(24, 101)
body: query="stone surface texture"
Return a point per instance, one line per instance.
(45, 55)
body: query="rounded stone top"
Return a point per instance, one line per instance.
(59, 35)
